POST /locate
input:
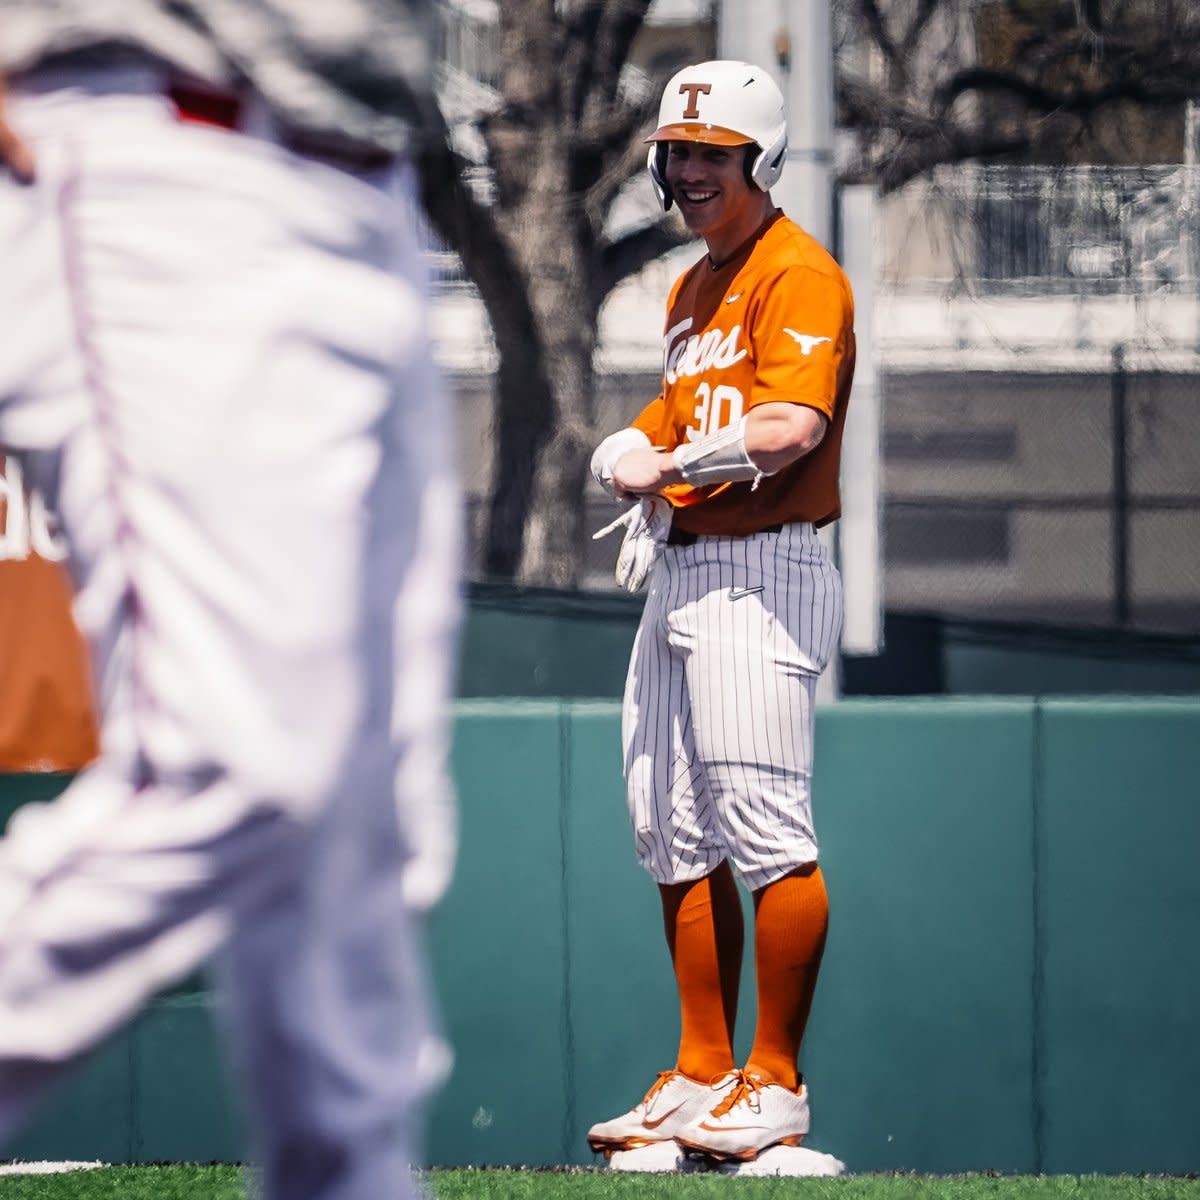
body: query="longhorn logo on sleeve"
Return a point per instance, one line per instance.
(806, 341)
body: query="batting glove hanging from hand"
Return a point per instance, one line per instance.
(648, 523)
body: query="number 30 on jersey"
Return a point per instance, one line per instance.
(715, 408)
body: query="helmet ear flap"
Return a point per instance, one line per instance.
(656, 164)
(763, 171)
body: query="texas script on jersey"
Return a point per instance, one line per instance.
(26, 526)
(714, 349)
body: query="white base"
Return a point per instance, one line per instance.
(662, 1158)
(659, 1158)
(787, 1160)
(45, 1168)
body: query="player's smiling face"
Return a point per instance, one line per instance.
(709, 185)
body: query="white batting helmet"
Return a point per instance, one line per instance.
(723, 103)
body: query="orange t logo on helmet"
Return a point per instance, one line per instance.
(692, 91)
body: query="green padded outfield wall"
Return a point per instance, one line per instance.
(539, 642)
(1119, 905)
(1012, 980)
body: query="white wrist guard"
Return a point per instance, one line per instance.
(719, 458)
(609, 452)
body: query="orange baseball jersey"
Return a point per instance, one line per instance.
(47, 712)
(775, 323)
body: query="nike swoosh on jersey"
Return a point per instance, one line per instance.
(738, 593)
(731, 299)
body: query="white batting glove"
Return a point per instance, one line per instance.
(609, 452)
(647, 525)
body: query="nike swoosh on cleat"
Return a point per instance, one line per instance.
(666, 1116)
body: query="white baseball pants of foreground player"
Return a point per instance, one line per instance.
(720, 704)
(215, 366)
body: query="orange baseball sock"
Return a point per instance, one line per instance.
(703, 921)
(791, 917)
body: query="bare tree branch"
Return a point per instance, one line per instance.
(917, 27)
(605, 30)
(1008, 77)
(620, 158)
(471, 231)
(981, 79)
(629, 254)
(871, 14)
(915, 159)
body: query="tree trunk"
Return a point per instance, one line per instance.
(545, 434)
(544, 399)
(521, 426)
(555, 534)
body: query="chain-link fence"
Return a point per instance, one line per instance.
(1062, 498)
(1041, 358)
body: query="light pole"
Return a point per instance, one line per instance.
(793, 39)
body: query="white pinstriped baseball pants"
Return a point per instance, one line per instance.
(215, 366)
(719, 705)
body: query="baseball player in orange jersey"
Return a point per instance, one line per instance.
(734, 467)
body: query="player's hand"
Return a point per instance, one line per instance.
(644, 472)
(14, 153)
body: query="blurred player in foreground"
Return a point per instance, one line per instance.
(215, 366)
(734, 466)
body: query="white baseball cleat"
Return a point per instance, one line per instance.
(672, 1102)
(751, 1116)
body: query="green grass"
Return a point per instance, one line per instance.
(225, 1183)
(128, 1183)
(509, 1185)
